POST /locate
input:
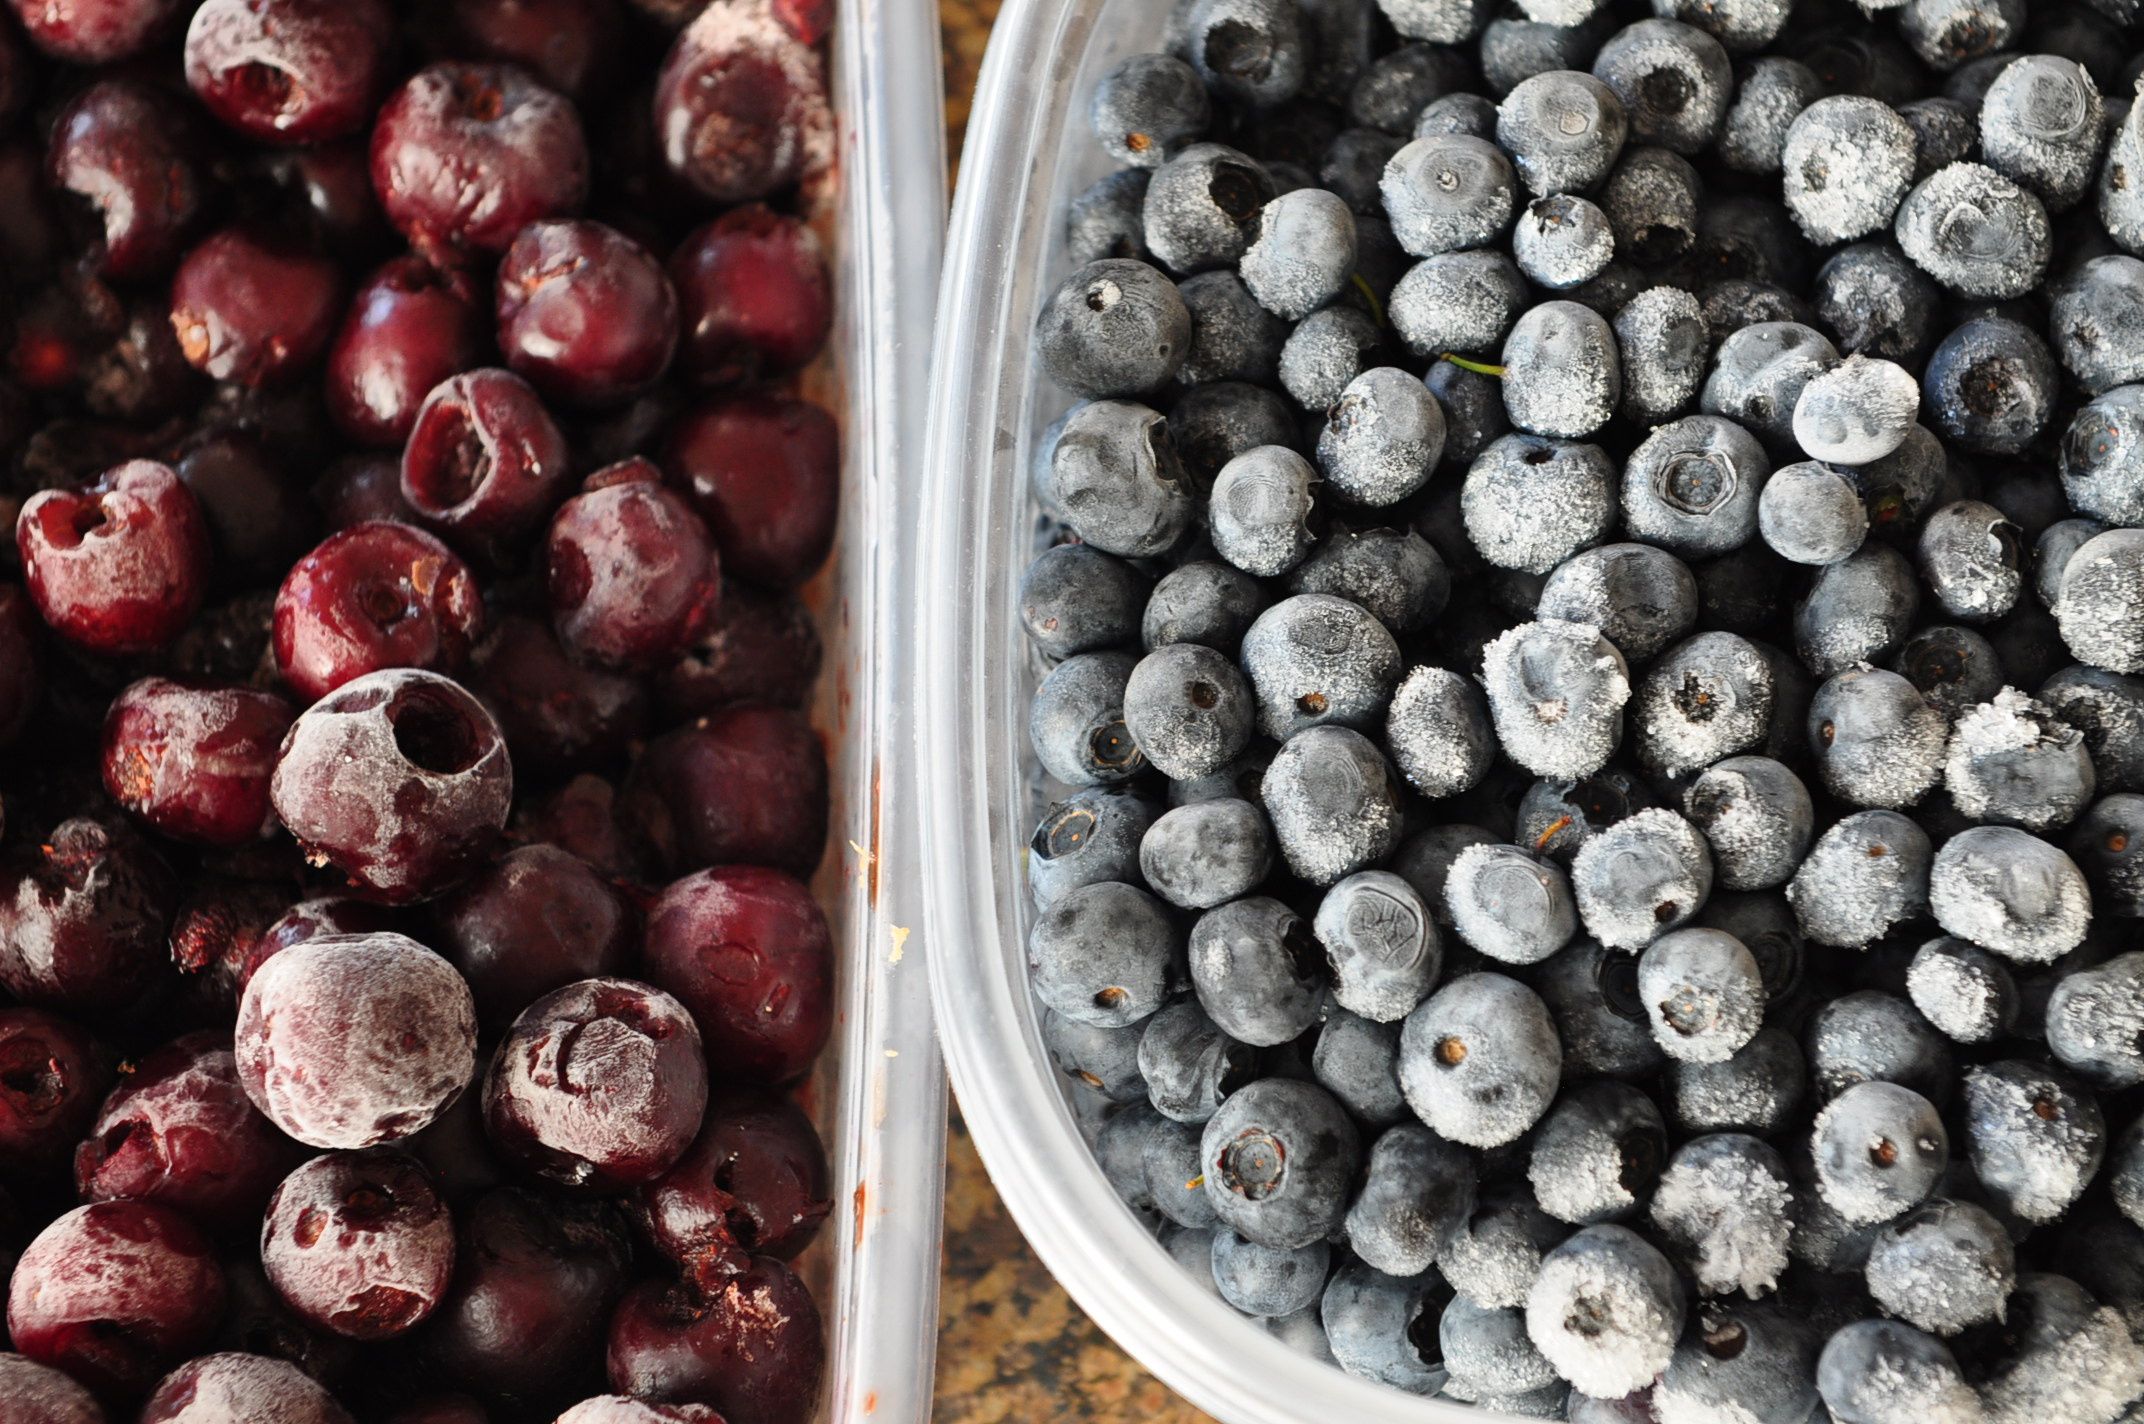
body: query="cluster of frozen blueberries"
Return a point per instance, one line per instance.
(1592, 625)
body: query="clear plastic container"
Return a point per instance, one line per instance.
(1028, 152)
(879, 1094)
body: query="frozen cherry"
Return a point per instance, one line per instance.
(40, 1394)
(193, 760)
(376, 595)
(120, 151)
(115, 1293)
(739, 105)
(290, 71)
(631, 570)
(359, 1243)
(765, 473)
(180, 1131)
(532, 1292)
(259, 520)
(752, 1347)
(484, 462)
(216, 931)
(241, 1389)
(349, 1041)
(399, 779)
(51, 1076)
(624, 1409)
(95, 31)
(755, 1181)
(556, 714)
(581, 817)
(327, 191)
(363, 489)
(409, 328)
(748, 952)
(253, 307)
(755, 294)
(118, 567)
(571, 45)
(312, 919)
(747, 785)
(763, 649)
(585, 313)
(536, 920)
(600, 1084)
(21, 670)
(83, 917)
(466, 155)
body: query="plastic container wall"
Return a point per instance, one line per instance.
(879, 1094)
(1028, 152)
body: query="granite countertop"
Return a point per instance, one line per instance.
(1012, 1347)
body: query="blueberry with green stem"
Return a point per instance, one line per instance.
(1417, 1189)
(1279, 1158)
(1561, 373)
(1103, 1060)
(1256, 970)
(1268, 1281)
(1703, 700)
(1449, 192)
(1190, 1065)
(1090, 836)
(1563, 129)
(1170, 1156)
(1606, 1310)
(1757, 1090)
(1394, 574)
(1662, 340)
(1723, 1212)
(1203, 855)
(1556, 692)
(1384, 1328)
(1879, 1149)
(1887, 1372)
(1382, 438)
(1640, 597)
(1325, 353)
(1944, 1267)
(1513, 906)
(2034, 1135)
(1964, 991)
(1847, 164)
(1674, 80)
(1115, 474)
(1106, 954)
(1876, 302)
(1640, 878)
(1757, 818)
(1479, 1060)
(1872, 1036)
(1460, 302)
(1757, 376)
(2109, 709)
(1529, 502)
(1233, 338)
(1113, 328)
(1866, 874)
(1357, 1061)
(1076, 723)
(1148, 107)
(1333, 802)
(2041, 125)
(1770, 92)
(2103, 457)
(1202, 205)
(1381, 945)
(2095, 1022)
(2013, 761)
(1597, 1153)
(1076, 599)
(2100, 617)
(2010, 892)
(1954, 668)
(1857, 610)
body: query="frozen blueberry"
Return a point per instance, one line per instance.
(1945, 130)
(1090, 836)
(2041, 124)
(2109, 709)
(2095, 1022)
(1393, 87)
(1108, 219)
(1417, 1191)
(1562, 241)
(1352, 169)
(2096, 320)
(2010, 892)
(1597, 1154)
(1189, 710)
(2125, 1174)
(1113, 328)
(1757, 818)
(1856, 412)
(1871, 1036)
(2057, 1354)
(2108, 845)
(1301, 253)
(1563, 129)
(1756, 1090)
(1765, 923)
(1529, 503)
(1705, 699)
(2097, 610)
(1904, 485)
(1561, 374)
(1190, 1065)
(1115, 474)
(1487, 1351)
(1722, 1212)
(1545, 35)
(1266, 1280)
(1556, 691)
(1662, 340)
(2103, 460)
(1170, 1159)
(1315, 659)
(1257, 971)
(1557, 817)
(1209, 603)
(1886, 1372)
(1975, 231)
(1396, 575)
(1471, 114)
(1326, 352)
(1479, 1060)
(1847, 164)
(1357, 1061)
(1972, 559)
(1879, 1148)
(1674, 80)
(1640, 878)
(1202, 206)
(1148, 107)
(1120, 1151)
(1384, 1328)
(1259, 515)
(1640, 597)
(1510, 904)
(2121, 209)
(1592, 993)
(1990, 385)
(1856, 611)
(1104, 1060)
(1758, 375)
(1652, 201)
(1963, 990)
(1106, 954)
(1865, 874)
(2034, 1136)
(1076, 723)
(1381, 945)
(1606, 1310)
(1232, 339)
(1254, 52)
(1770, 93)
(2012, 760)
(1703, 993)
(1203, 855)
(1462, 302)
(1493, 1257)
(1077, 599)
(1238, 780)
(1876, 303)
(1739, 1361)
(1875, 739)
(1944, 1267)
(1448, 192)
(1279, 1158)
(1382, 438)
(1334, 803)
(1955, 668)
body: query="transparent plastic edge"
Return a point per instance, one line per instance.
(970, 746)
(887, 1143)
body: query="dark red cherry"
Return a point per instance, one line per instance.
(536, 920)
(83, 917)
(557, 714)
(755, 295)
(748, 951)
(374, 596)
(631, 570)
(751, 1347)
(192, 760)
(485, 463)
(740, 106)
(121, 158)
(255, 308)
(755, 1181)
(765, 473)
(118, 567)
(744, 786)
(585, 313)
(52, 1076)
(290, 71)
(408, 329)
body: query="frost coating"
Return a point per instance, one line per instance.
(1556, 691)
(2032, 1137)
(1946, 1267)
(1561, 374)
(2010, 892)
(1606, 1311)
(1961, 989)
(1722, 1207)
(1663, 342)
(1857, 412)
(1757, 818)
(1315, 659)
(2077, 1360)
(1865, 874)
(2013, 760)
(234, 1388)
(1463, 302)
(2098, 609)
(1510, 905)
(1479, 1060)
(1846, 165)
(1641, 877)
(1706, 699)
(1333, 806)
(1259, 513)
(1448, 192)
(1438, 732)
(1529, 504)
(1703, 994)
(1382, 438)
(1302, 253)
(1976, 232)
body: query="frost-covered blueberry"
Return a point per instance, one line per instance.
(1662, 340)
(1479, 1060)
(1563, 129)
(1334, 803)
(1592, 993)
(1529, 503)
(2012, 760)
(2108, 845)
(1879, 1148)
(2109, 709)
(1556, 817)
(1384, 1328)
(1703, 993)
(1090, 836)
(1597, 1154)
(1739, 1361)
(1556, 691)
(1606, 1310)
(1232, 339)
(1204, 854)
(1693, 486)
(1326, 352)
(2101, 619)
(1770, 93)
(1857, 610)
(1381, 945)
(1487, 1351)
(1108, 219)
(1106, 954)
(1562, 241)
(1259, 514)
(1704, 700)
(1279, 1158)
(1991, 385)
(1877, 303)
(1460, 302)
(1722, 1211)
(1976, 232)
(1417, 1190)
(1856, 412)
(1873, 1036)
(1674, 80)
(1269, 1281)
(1189, 710)
(1512, 905)
(1113, 328)
(1076, 599)
(1757, 818)
(1494, 1256)
(1887, 1372)
(2041, 125)
(1875, 739)
(1640, 878)
(2125, 1174)
(1438, 732)
(1302, 252)
(1201, 207)
(1256, 968)
(1207, 602)
(2103, 466)
(1972, 560)
(1448, 192)
(1562, 377)
(1865, 874)
(1382, 438)
(1148, 107)
(2095, 317)
(1847, 164)
(2010, 892)
(1357, 1061)
(1114, 471)
(1963, 990)
(1315, 659)
(1651, 201)
(2095, 1022)
(1253, 52)
(1756, 1090)
(1076, 722)
(1640, 597)
(2057, 1354)
(1944, 1267)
